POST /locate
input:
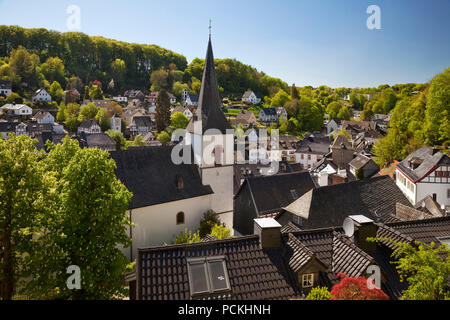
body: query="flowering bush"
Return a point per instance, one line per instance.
(355, 289)
(319, 294)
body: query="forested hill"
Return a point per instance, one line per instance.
(130, 65)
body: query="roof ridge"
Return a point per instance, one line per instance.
(412, 222)
(348, 242)
(396, 232)
(297, 241)
(198, 244)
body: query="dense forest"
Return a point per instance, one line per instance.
(55, 56)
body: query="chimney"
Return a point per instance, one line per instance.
(363, 228)
(269, 232)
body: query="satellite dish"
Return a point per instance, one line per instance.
(349, 227)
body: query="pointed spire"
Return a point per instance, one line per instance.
(209, 103)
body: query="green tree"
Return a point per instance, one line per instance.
(56, 91)
(158, 79)
(23, 64)
(333, 109)
(280, 99)
(187, 237)
(88, 112)
(163, 137)
(103, 120)
(118, 138)
(438, 109)
(179, 121)
(95, 92)
(294, 93)
(53, 70)
(178, 88)
(209, 220)
(24, 189)
(344, 113)
(87, 229)
(118, 72)
(220, 232)
(162, 117)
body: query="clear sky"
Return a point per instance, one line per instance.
(309, 42)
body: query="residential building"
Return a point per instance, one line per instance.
(16, 109)
(141, 125)
(97, 140)
(334, 126)
(268, 115)
(311, 150)
(322, 207)
(250, 97)
(41, 95)
(246, 119)
(342, 152)
(120, 99)
(281, 112)
(425, 172)
(15, 127)
(262, 196)
(134, 94)
(184, 110)
(88, 127)
(5, 87)
(364, 163)
(44, 117)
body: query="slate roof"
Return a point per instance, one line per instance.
(8, 126)
(271, 193)
(328, 206)
(48, 136)
(245, 117)
(150, 174)
(254, 273)
(247, 94)
(427, 161)
(41, 114)
(341, 142)
(359, 162)
(269, 111)
(142, 121)
(100, 141)
(406, 213)
(336, 251)
(87, 124)
(209, 108)
(314, 145)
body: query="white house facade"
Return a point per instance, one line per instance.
(41, 95)
(423, 173)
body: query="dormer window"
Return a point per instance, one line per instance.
(307, 280)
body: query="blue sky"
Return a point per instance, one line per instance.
(309, 42)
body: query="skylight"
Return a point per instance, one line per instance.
(208, 275)
(294, 194)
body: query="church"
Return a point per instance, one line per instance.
(169, 198)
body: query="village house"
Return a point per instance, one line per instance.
(153, 97)
(71, 95)
(44, 117)
(261, 196)
(268, 115)
(88, 127)
(134, 94)
(364, 163)
(281, 112)
(328, 206)
(18, 128)
(246, 119)
(5, 87)
(141, 125)
(120, 99)
(184, 110)
(190, 100)
(16, 110)
(41, 95)
(425, 172)
(116, 123)
(311, 150)
(250, 97)
(334, 125)
(97, 140)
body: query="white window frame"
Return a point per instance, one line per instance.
(308, 278)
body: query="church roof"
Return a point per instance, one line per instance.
(209, 104)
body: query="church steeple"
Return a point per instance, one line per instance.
(209, 109)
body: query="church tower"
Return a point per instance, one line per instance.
(212, 144)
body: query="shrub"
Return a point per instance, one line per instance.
(319, 293)
(210, 219)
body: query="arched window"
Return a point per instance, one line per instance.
(180, 218)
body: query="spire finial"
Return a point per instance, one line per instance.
(210, 28)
